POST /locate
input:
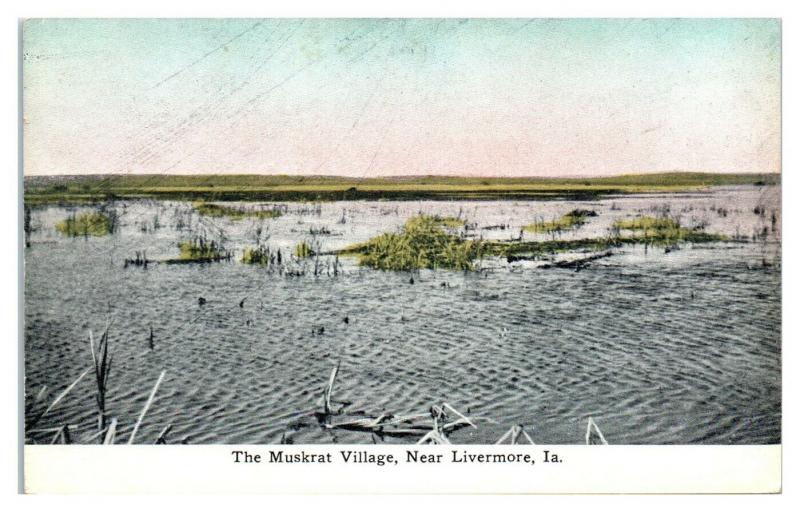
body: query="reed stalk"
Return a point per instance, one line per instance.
(102, 368)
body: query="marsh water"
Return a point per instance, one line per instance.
(680, 346)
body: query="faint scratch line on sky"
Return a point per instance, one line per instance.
(207, 54)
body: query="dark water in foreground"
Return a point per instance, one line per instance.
(658, 348)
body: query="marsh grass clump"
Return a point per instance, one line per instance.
(422, 243)
(200, 250)
(425, 242)
(450, 222)
(262, 255)
(647, 223)
(302, 250)
(571, 220)
(647, 229)
(256, 255)
(235, 213)
(304, 259)
(272, 260)
(87, 224)
(662, 231)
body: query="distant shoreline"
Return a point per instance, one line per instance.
(99, 188)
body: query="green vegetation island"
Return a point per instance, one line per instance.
(76, 189)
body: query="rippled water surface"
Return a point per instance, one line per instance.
(678, 347)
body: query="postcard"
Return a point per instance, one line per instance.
(402, 255)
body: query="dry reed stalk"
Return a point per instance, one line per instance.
(63, 394)
(48, 430)
(57, 435)
(402, 419)
(409, 425)
(436, 434)
(530, 441)
(62, 435)
(377, 420)
(593, 434)
(506, 435)
(514, 434)
(39, 396)
(88, 439)
(463, 418)
(162, 436)
(363, 422)
(326, 395)
(405, 432)
(447, 427)
(102, 368)
(146, 407)
(111, 434)
(434, 437)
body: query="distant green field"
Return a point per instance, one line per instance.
(79, 189)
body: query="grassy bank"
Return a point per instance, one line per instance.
(83, 189)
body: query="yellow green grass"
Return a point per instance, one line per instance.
(302, 250)
(258, 255)
(85, 224)
(571, 220)
(254, 256)
(234, 213)
(647, 223)
(200, 250)
(423, 242)
(657, 230)
(449, 222)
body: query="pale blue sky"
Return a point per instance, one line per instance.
(390, 97)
